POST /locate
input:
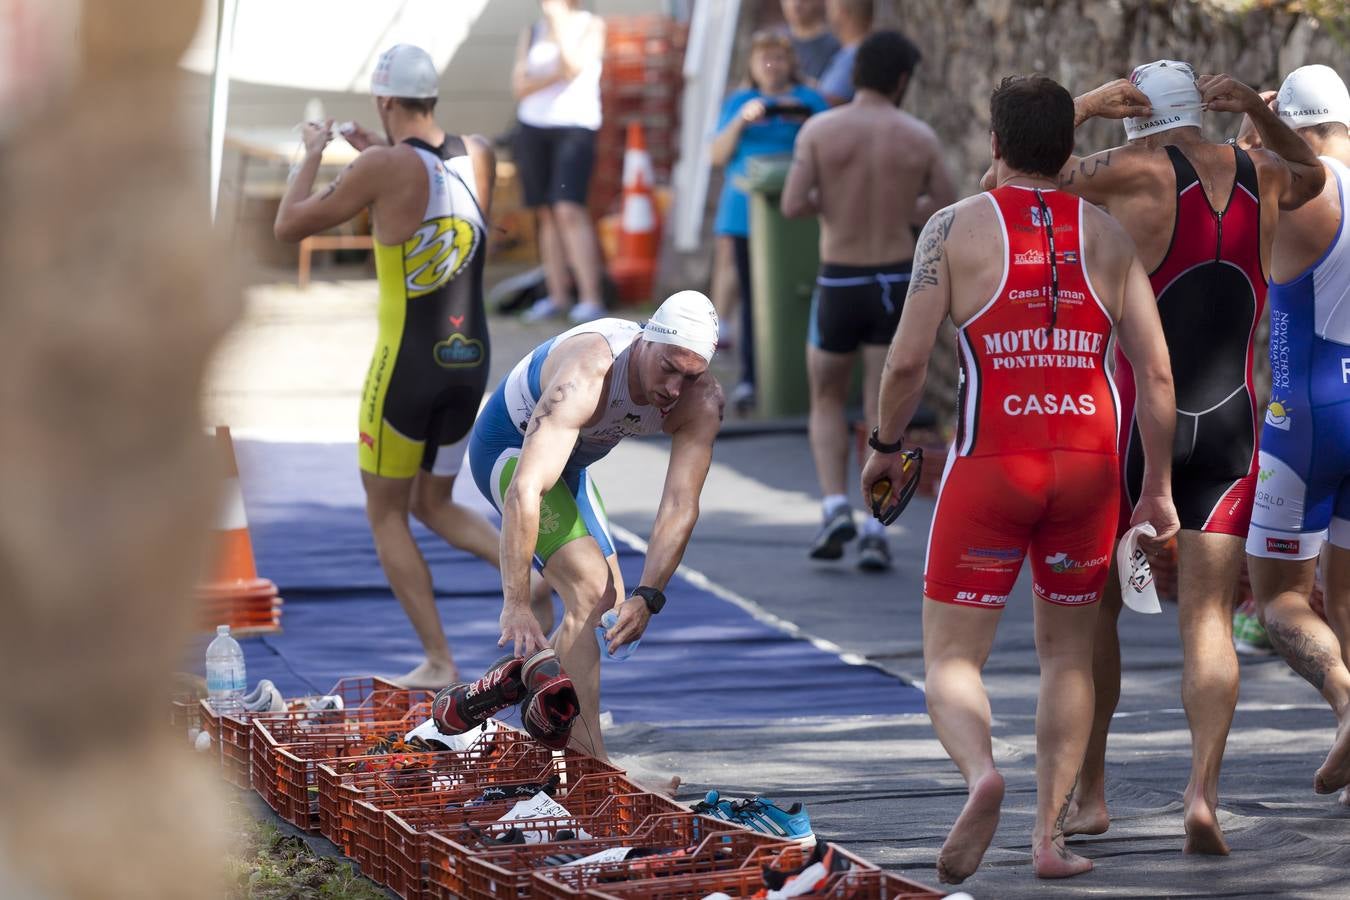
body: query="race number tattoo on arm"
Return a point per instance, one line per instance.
(932, 241)
(1304, 655)
(549, 403)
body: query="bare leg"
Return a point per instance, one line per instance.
(726, 292)
(553, 257)
(1208, 572)
(461, 527)
(589, 585)
(828, 426)
(1336, 596)
(1282, 589)
(1064, 643)
(956, 643)
(577, 232)
(874, 363)
(1088, 813)
(387, 507)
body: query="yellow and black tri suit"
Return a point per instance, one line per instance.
(430, 366)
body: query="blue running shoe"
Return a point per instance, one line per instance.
(759, 814)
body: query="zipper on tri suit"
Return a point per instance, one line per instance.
(1218, 244)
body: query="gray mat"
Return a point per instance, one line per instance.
(884, 787)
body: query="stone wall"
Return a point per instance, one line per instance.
(969, 45)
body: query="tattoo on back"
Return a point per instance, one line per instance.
(549, 403)
(927, 259)
(1304, 655)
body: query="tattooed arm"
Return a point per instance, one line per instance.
(303, 213)
(569, 397)
(929, 302)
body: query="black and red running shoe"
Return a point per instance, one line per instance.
(464, 706)
(550, 705)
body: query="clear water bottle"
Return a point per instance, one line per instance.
(225, 676)
(608, 621)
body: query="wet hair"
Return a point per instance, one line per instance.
(884, 59)
(1032, 117)
(1327, 130)
(423, 105)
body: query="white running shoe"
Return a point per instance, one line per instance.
(586, 311)
(542, 311)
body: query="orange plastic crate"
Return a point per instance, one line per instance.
(459, 871)
(285, 755)
(862, 882)
(739, 849)
(356, 823)
(608, 801)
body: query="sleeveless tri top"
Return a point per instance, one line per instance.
(1032, 359)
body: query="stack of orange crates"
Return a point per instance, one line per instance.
(642, 80)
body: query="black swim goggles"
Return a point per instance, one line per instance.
(883, 492)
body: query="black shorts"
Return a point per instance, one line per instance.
(554, 164)
(855, 305)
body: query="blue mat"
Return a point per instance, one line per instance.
(702, 660)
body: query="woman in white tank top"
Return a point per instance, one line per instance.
(557, 83)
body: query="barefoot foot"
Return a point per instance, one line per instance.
(1335, 771)
(1203, 834)
(1051, 859)
(1087, 817)
(973, 831)
(429, 676)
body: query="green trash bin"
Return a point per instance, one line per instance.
(784, 256)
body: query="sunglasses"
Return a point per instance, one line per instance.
(884, 493)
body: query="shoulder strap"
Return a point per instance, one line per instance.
(1181, 166)
(1246, 172)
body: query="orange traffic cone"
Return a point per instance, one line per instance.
(634, 269)
(235, 595)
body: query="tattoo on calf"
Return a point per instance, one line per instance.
(1303, 653)
(547, 405)
(932, 241)
(1064, 811)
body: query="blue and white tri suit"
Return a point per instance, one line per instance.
(1303, 487)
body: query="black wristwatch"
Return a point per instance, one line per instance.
(874, 441)
(654, 599)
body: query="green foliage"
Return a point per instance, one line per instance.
(269, 865)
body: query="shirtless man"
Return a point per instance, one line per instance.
(1203, 217)
(430, 194)
(563, 407)
(872, 174)
(1303, 502)
(1036, 281)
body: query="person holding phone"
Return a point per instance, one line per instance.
(761, 119)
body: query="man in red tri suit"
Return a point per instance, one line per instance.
(1034, 466)
(1203, 217)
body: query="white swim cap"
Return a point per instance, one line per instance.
(1312, 95)
(1171, 89)
(687, 320)
(405, 71)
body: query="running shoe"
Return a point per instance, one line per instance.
(874, 554)
(743, 398)
(837, 531)
(586, 311)
(463, 706)
(1249, 635)
(550, 705)
(759, 814)
(268, 700)
(542, 310)
(810, 877)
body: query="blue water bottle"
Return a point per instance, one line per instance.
(608, 621)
